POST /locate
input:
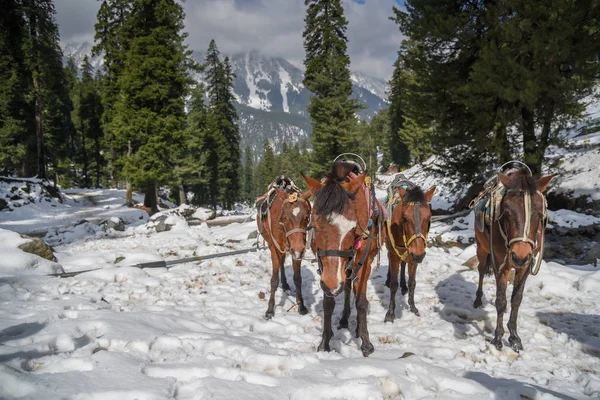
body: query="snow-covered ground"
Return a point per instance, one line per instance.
(196, 331)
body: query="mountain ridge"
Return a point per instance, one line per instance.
(266, 84)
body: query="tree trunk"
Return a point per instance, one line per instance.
(39, 128)
(128, 194)
(84, 153)
(530, 150)
(182, 198)
(98, 159)
(150, 198)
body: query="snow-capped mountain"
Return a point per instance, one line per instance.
(271, 98)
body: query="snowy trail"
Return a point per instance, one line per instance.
(197, 331)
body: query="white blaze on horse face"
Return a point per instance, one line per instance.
(344, 226)
(296, 211)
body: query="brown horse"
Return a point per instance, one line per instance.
(408, 221)
(517, 234)
(345, 243)
(284, 230)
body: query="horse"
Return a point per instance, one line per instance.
(513, 241)
(408, 222)
(346, 240)
(284, 230)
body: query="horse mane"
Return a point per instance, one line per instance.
(415, 195)
(521, 181)
(333, 198)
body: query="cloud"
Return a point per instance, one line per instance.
(273, 27)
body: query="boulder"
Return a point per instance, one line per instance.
(253, 234)
(38, 247)
(114, 223)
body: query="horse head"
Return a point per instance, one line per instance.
(294, 217)
(522, 216)
(412, 215)
(339, 215)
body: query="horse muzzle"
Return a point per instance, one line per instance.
(417, 258)
(519, 262)
(332, 293)
(297, 255)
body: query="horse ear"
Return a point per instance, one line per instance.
(307, 195)
(313, 184)
(429, 194)
(356, 183)
(504, 179)
(543, 182)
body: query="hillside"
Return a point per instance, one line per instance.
(271, 98)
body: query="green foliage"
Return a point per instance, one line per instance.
(486, 69)
(248, 190)
(222, 119)
(327, 76)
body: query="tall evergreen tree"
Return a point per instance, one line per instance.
(222, 118)
(149, 112)
(15, 114)
(327, 76)
(399, 152)
(91, 133)
(267, 171)
(247, 181)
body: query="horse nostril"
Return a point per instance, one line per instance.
(518, 261)
(417, 258)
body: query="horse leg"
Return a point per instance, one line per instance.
(284, 283)
(298, 283)
(484, 263)
(412, 282)
(403, 286)
(362, 305)
(277, 261)
(393, 268)
(328, 306)
(388, 277)
(501, 281)
(515, 302)
(346, 312)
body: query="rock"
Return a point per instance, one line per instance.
(38, 247)
(253, 234)
(4, 205)
(594, 254)
(114, 223)
(472, 263)
(166, 220)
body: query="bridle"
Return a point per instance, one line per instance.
(393, 202)
(351, 271)
(524, 237)
(292, 198)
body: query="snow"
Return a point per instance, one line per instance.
(571, 219)
(197, 330)
(285, 81)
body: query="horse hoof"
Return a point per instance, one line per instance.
(323, 347)
(477, 303)
(269, 315)
(367, 348)
(515, 344)
(389, 317)
(343, 324)
(285, 288)
(497, 342)
(302, 310)
(415, 311)
(403, 290)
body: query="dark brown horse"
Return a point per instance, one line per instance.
(345, 243)
(517, 234)
(284, 230)
(408, 221)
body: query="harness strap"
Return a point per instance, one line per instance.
(396, 248)
(354, 271)
(271, 233)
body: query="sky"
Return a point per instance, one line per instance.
(273, 27)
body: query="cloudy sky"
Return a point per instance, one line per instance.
(273, 27)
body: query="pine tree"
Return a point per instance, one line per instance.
(15, 114)
(91, 133)
(399, 152)
(268, 172)
(247, 181)
(149, 112)
(327, 76)
(223, 116)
